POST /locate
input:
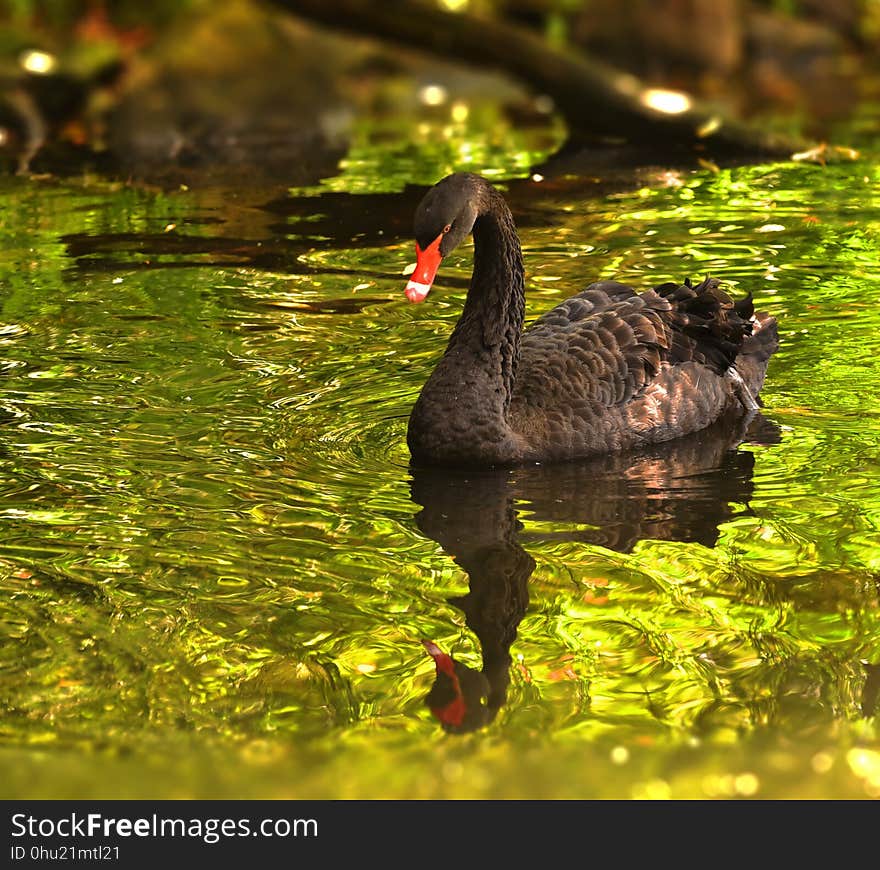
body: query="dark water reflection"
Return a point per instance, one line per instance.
(679, 491)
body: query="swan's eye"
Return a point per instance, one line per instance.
(447, 228)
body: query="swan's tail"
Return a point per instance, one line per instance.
(754, 355)
(730, 337)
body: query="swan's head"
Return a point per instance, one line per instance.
(443, 220)
(459, 696)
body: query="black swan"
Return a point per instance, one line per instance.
(607, 369)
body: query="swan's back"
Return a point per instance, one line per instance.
(611, 368)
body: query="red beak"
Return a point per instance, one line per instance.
(454, 712)
(427, 263)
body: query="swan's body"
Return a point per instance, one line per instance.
(605, 370)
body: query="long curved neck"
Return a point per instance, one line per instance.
(492, 320)
(462, 411)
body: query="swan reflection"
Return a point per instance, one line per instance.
(678, 491)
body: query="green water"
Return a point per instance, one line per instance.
(217, 568)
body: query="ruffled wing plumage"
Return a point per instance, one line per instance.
(599, 367)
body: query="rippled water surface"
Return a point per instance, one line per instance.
(218, 569)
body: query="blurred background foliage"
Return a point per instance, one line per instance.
(133, 86)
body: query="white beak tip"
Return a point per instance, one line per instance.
(416, 292)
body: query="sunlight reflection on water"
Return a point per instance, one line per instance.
(209, 525)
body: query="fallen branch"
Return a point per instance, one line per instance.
(595, 99)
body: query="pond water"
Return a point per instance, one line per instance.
(218, 569)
